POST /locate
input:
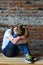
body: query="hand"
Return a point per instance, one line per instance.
(20, 42)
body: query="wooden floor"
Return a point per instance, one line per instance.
(17, 61)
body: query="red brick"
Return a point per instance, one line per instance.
(34, 5)
(18, 2)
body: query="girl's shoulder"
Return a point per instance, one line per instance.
(9, 31)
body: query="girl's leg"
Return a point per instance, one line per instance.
(24, 48)
(10, 50)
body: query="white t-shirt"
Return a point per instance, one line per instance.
(5, 39)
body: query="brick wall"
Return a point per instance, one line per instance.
(23, 11)
(27, 12)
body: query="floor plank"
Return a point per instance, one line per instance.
(17, 61)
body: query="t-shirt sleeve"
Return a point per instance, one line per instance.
(7, 33)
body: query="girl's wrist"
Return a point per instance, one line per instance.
(19, 37)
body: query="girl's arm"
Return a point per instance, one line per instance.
(14, 40)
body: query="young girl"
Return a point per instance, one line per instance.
(13, 43)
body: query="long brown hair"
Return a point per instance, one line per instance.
(26, 31)
(19, 28)
(22, 29)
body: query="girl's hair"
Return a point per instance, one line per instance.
(13, 28)
(22, 29)
(26, 32)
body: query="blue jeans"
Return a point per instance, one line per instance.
(12, 50)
